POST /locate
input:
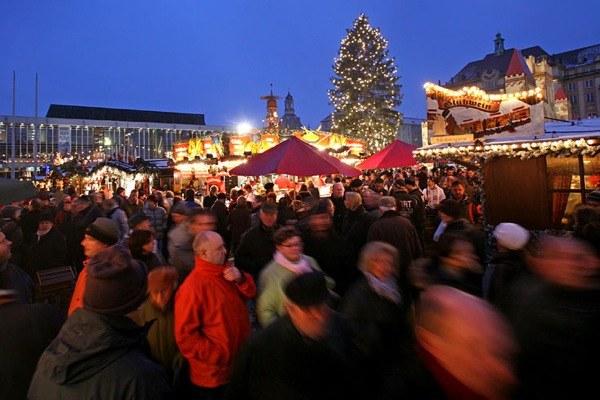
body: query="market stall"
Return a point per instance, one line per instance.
(534, 174)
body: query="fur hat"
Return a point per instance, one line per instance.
(511, 236)
(116, 282)
(104, 230)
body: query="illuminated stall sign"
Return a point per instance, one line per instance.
(471, 113)
(198, 147)
(332, 141)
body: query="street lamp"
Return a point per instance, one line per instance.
(243, 128)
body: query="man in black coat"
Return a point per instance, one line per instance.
(26, 330)
(48, 249)
(555, 314)
(100, 353)
(306, 354)
(221, 212)
(322, 243)
(398, 231)
(378, 306)
(11, 276)
(337, 198)
(85, 213)
(256, 246)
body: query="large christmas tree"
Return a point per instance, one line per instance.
(366, 90)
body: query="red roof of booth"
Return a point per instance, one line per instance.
(397, 154)
(294, 157)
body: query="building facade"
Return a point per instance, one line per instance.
(570, 81)
(93, 133)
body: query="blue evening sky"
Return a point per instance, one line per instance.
(218, 57)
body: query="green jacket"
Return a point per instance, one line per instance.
(271, 283)
(161, 335)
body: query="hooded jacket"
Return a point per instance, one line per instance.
(98, 356)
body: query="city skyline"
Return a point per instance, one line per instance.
(218, 59)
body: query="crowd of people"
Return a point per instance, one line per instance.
(386, 289)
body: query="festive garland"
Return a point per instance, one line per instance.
(524, 150)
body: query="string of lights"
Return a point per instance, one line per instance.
(366, 90)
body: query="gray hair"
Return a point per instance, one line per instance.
(354, 200)
(373, 248)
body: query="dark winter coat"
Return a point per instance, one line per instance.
(384, 334)
(505, 269)
(256, 250)
(557, 331)
(14, 278)
(332, 255)
(25, 331)
(355, 228)
(280, 363)
(79, 224)
(338, 213)
(220, 211)
(239, 222)
(97, 356)
(398, 231)
(47, 251)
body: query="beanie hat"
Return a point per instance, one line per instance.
(104, 230)
(511, 236)
(307, 290)
(116, 282)
(162, 278)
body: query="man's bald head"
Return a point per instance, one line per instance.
(209, 246)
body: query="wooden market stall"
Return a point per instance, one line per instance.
(534, 173)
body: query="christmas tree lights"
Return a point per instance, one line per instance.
(365, 90)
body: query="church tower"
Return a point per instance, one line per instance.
(290, 120)
(272, 117)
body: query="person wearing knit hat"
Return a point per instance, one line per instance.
(511, 236)
(100, 349)
(507, 263)
(158, 307)
(103, 230)
(116, 282)
(99, 236)
(48, 249)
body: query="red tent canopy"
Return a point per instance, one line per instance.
(294, 157)
(397, 154)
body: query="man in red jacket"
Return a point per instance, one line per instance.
(211, 317)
